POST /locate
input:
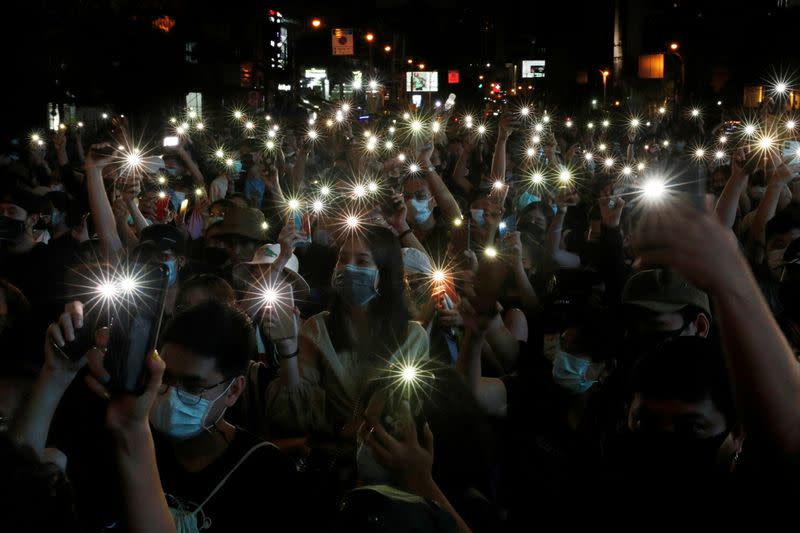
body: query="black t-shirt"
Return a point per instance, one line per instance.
(260, 495)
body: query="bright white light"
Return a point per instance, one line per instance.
(389, 145)
(237, 114)
(439, 275)
(406, 116)
(173, 120)
(264, 226)
(635, 123)
(270, 145)
(627, 171)
(356, 85)
(498, 184)
(546, 119)
(352, 221)
(564, 176)
(791, 124)
(312, 134)
(606, 123)
(162, 194)
(346, 108)
(537, 178)
(588, 156)
(723, 139)
(780, 88)
(536, 139)
(662, 110)
(193, 114)
(481, 129)
(530, 152)
(318, 206)
(162, 180)
(270, 296)
(602, 147)
(249, 125)
(127, 285)
(373, 85)
(538, 128)
(665, 143)
(609, 162)
(720, 154)
(590, 125)
(699, 153)
(765, 143)
(107, 290)
(372, 186)
(653, 189)
(392, 129)
(749, 129)
(695, 112)
(229, 162)
(401, 157)
(200, 126)
(294, 204)
(180, 130)
(409, 373)
(503, 225)
(325, 190)
(568, 124)
(413, 168)
(359, 191)
(490, 252)
(525, 111)
(640, 167)
(435, 127)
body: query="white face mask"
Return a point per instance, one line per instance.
(775, 258)
(420, 210)
(183, 417)
(370, 472)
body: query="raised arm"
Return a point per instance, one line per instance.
(444, 198)
(191, 165)
(778, 180)
(764, 374)
(554, 233)
(729, 199)
(98, 200)
(504, 131)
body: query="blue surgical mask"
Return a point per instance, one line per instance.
(570, 372)
(130, 220)
(477, 216)
(525, 199)
(183, 416)
(177, 198)
(56, 218)
(212, 220)
(421, 210)
(237, 166)
(172, 171)
(172, 272)
(357, 286)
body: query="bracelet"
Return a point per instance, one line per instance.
(406, 232)
(289, 356)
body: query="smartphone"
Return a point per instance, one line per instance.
(171, 141)
(134, 329)
(281, 311)
(184, 207)
(303, 223)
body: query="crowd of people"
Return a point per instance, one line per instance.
(424, 320)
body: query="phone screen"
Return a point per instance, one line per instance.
(171, 141)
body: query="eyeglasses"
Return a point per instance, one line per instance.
(419, 195)
(187, 395)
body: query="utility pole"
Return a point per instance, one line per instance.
(617, 46)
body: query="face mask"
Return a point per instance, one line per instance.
(130, 220)
(173, 417)
(525, 199)
(237, 166)
(421, 210)
(357, 286)
(172, 171)
(11, 229)
(477, 216)
(570, 372)
(58, 187)
(177, 198)
(775, 259)
(370, 472)
(212, 220)
(172, 272)
(56, 218)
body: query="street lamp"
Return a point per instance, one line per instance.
(605, 73)
(422, 66)
(387, 48)
(316, 23)
(370, 37)
(674, 46)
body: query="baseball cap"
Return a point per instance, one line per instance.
(165, 237)
(266, 255)
(663, 291)
(21, 198)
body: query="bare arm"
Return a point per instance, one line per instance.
(764, 374)
(729, 199)
(99, 205)
(194, 170)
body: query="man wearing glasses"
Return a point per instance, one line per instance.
(209, 467)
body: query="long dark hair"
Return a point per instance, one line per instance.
(388, 313)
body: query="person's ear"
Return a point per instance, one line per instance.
(433, 202)
(703, 325)
(180, 261)
(236, 389)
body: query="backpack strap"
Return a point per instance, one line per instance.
(228, 475)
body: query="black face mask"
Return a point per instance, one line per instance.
(660, 455)
(216, 257)
(11, 229)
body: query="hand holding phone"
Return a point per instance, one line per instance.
(279, 319)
